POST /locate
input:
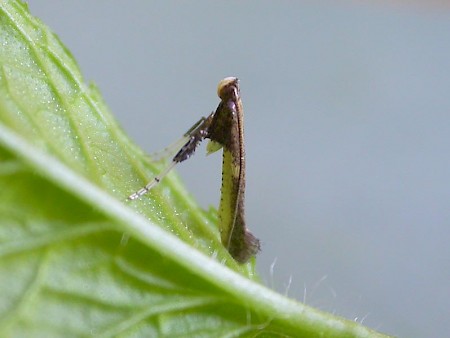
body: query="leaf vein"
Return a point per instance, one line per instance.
(36, 242)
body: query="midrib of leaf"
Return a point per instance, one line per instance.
(250, 293)
(112, 163)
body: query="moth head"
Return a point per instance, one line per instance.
(227, 87)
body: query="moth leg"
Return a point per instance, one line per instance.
(167, 152)
(189, 141)
(175, 146)
(152, 183)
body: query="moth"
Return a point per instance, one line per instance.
(224, 127)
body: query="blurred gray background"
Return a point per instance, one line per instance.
(347, 134)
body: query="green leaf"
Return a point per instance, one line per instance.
(77, 259)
